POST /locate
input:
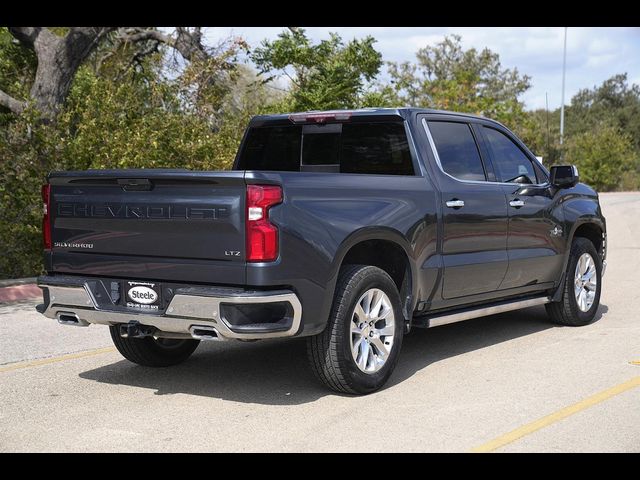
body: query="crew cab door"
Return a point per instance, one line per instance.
(474, 211)
(536, 241)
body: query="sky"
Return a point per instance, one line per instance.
(593, 53)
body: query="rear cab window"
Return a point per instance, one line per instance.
(374, 148)
(272, 148)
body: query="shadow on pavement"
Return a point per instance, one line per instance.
(276, 372)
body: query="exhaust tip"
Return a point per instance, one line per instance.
(204, 332)
(70, 318)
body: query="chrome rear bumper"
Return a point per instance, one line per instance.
(186, 313)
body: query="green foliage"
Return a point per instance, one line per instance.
(327, 75)
(146, 126)
(447, 77)
(614, 102)
(17, 64)
(541, 133)
(21, 175)
(119, 118)
(613, 106)
(604, 157)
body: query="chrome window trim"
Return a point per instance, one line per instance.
(432, 144)
(415, 156)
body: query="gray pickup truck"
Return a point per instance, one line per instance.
(347, 227)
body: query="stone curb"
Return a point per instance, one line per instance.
(10, 282)
(20, 292)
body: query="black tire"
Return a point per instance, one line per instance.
(566, 311)
(153, 353)
(330, 351)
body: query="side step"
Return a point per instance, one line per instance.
(475, 312)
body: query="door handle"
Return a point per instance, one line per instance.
(517, 203)
(455, 203)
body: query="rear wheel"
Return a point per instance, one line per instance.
(358, 350)
(581, 289)
(150, 352)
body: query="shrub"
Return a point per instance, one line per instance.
(604, 157)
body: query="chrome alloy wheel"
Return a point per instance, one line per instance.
(585, 282)
(372, 329)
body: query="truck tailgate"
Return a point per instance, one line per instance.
(161, 224)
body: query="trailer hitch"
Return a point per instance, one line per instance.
(134, 329)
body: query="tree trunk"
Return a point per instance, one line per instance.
(60, 57)
(58, 61)
(53, 76)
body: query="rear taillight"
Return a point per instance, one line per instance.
(262, 235)
(46, 224)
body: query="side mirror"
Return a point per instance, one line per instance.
(564, 176)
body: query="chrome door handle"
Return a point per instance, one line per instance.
(517, 203)
(455, 203)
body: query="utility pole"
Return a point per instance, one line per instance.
(564, 67)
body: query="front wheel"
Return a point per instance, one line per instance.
(581, 288)
(359, 349)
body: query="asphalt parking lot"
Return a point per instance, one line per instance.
(507, 383)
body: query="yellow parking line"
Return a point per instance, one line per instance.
(61, 358)
(556, 417)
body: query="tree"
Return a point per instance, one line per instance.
(604, 157)
(613, 102)
(327, 75)
(58, 59)
(540, 131)
(131, 104)
(59, 55)
(445, 76)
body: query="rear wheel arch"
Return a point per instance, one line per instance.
(386, 249)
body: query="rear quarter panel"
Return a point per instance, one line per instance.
(324, 214)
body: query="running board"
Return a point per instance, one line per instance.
(467, 314)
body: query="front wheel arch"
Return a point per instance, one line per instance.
(564, 308)
(578, 227)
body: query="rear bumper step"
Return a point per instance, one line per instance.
(198, 312)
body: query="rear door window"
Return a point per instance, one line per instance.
(457, 150)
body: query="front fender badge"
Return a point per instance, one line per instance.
(556, 231)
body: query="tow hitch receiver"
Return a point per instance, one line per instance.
(134, 329)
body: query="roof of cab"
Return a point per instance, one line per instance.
(404, 112)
